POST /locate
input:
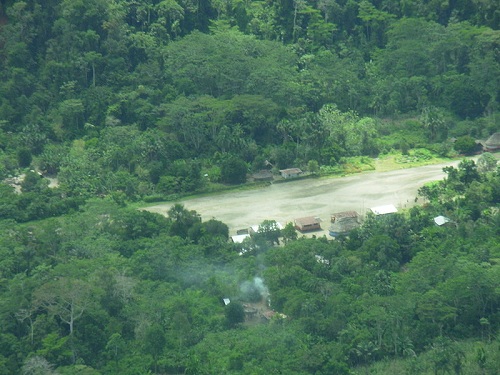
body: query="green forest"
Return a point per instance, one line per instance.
(109, 105)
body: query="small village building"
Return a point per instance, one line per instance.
(492, 143)
(384, 210)
(442, 221)
(306, 224)
(251, 312)
(226, 301)
(263, 175)
(256, 228)
(343, 223)
(239, 238)
(290, 172)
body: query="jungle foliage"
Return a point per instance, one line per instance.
(128, 100)
(148, 98)
(109, 289)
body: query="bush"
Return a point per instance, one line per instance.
(466, 145)
(153, 198)
(24, 157)
(313, 166)
(235, 314)
(214, 174)
(233, 171)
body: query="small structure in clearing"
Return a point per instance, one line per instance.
(263, 175)
(492, 143)
(343, 222)
(254, 229)
(384, 210)
(290, 172)
(442, 221)
(239, 238)
(306, 224)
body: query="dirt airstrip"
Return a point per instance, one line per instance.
(312, 197)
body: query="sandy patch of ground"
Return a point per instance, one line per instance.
(17, 181)
(312, 197)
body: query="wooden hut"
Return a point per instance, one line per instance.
(306, 224)
(492, 143)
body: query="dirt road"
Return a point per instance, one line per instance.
(313, 197)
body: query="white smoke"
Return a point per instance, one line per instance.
(254, 290)
(259, 284)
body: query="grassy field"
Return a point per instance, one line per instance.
(392, 162)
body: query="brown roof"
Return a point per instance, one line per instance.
(262, 174)
(309, 220)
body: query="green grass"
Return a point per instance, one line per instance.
(415, 158)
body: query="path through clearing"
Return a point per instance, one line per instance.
(312, 197)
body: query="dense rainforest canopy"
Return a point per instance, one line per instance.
(147, 96)
(120, 101)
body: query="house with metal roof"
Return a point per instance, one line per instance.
(257, 228)
(239, 238)
(384, 210)
(442, 221)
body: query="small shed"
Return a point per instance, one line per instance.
(492, 143)
(239, 238)
(309, 223)
(442, 221)
(384, 210)
(343, 222)
(290, 172)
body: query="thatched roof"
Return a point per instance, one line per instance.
(344, 214)
(307, 221)
(493, 141)
(263, 175)
(291, 171)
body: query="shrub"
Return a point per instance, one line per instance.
(24, 157)
(233, 171)
(466, 145)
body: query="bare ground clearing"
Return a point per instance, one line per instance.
(313, 197)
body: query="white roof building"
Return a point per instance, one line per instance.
(256, 228)
(384, 210)
(239, 238)
(441, 220)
